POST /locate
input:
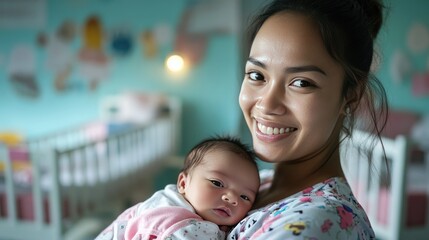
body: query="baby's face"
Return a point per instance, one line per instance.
(222, 188)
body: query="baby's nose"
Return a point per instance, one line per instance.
(230, 198)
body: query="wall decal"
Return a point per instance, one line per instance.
(21, 69)
(214, 17)
(59, 60)
(199, 22)
(191, 46)
(42, 39)
(121, 42)
(400, 67)
(23, 14)
(66, 32)
(418, 38)
(420, 84)
(149, 43)
(152, 39)
(163, 34)
(93, 62)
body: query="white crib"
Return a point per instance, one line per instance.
(73, 175)
(383, 189)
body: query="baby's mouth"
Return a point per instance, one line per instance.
(274, 130)
(225, 212)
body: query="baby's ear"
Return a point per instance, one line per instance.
(181, 182)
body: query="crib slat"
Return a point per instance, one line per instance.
(81, 180)
(55, 199)
(97, 186)
(36, 187)
(399, 156)
(10, 188)
(69, 188)
(113, 158)
(87, 178)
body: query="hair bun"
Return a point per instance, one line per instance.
(373, 11)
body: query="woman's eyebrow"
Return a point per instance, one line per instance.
(256, 62)
(298, 69)
(306, 68)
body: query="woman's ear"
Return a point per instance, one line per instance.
(349, 104)
(181, 182)
(352, 99)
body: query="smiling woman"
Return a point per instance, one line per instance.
(307, 73)
(305, 83)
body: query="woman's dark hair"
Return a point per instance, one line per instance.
(221, 143)
(348, 29)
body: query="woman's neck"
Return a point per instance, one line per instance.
(292, 177)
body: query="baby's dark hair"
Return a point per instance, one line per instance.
(224, 143)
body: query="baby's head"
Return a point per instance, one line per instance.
(220, 180)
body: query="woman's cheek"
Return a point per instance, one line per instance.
(244, 99)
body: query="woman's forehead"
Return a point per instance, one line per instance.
(289, 39)
(285, 30)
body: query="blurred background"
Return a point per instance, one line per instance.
(74, 64)
(46, 41)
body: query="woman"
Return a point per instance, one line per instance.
(307, 73)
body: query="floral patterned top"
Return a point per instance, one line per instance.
(327, 210)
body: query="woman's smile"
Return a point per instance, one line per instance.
(274, 130)
(268, 132)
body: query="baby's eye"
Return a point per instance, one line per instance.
(255, 76)
(301, 83)
(216, 183)
(244, 197)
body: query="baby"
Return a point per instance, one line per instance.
(215, 189)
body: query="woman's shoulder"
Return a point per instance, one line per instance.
(326, 210)
(327, 196)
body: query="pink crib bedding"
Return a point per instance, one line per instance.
(25, 207)
(415, 214)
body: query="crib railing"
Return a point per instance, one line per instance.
(11, 226)
(372, 168)
(69, 183)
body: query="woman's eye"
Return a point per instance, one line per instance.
(301, 83)
(255, 76)
(216, 183)
(245, 197)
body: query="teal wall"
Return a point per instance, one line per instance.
(209, 91)
(401, 16)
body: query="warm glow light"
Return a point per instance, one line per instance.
(175, 63)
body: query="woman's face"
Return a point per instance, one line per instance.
(291, 94)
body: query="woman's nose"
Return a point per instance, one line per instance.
(230, 198)
(271, 101)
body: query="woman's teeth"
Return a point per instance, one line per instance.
(274, 131)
